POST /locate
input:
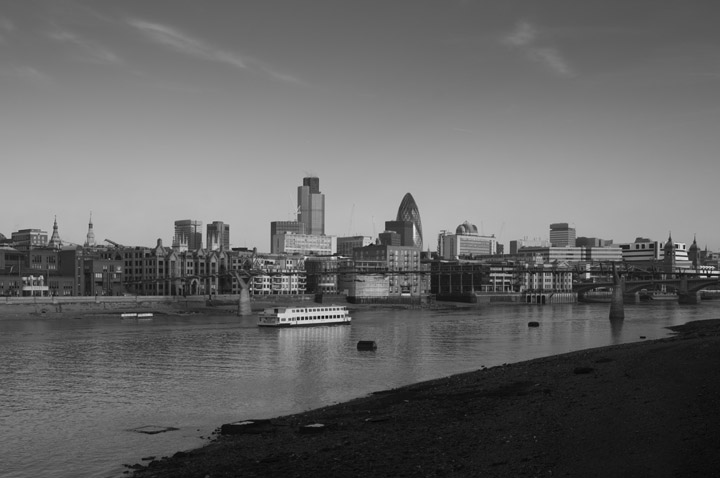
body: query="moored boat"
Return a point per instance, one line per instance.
(304, 316)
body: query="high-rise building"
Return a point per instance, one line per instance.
(188, 234)
(218, 236)
(311, 206)
(562, 235)
(408, 211)
(405, 230)
(283, 227)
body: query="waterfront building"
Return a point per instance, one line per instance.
(407, 277)
(305, 244)
(322, 274)
(408, 211)
(457, 279)
(562, 235)
(465, 243)
(311, 206)
(188, 235)
(545, 278)
(364, 281)
(218, 236)
(346, 245)
(283, 275)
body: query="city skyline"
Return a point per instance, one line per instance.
(511, 116)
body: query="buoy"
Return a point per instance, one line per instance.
(533, 324)
(366, 345)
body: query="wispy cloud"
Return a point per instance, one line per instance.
(186, 44)
(189, 45)
(6, 28)
(29, 74)
(91, 50)
(526, 38)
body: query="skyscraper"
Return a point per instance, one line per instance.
(408, 211)
(311, 206)
(218, 236)
(188, 232)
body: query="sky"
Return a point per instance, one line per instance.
(510, 115)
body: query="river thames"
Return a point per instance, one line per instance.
(72, 391)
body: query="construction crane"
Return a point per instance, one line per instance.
(114, 243)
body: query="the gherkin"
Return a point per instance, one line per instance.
(408, 211)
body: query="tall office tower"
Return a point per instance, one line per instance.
(188, 232)
(408, 211)
(311, 207)
(562, 235)
(90, 239)
(404, 230)
(283, 227)
(218, 236)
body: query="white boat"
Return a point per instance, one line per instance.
(137, 315)
(659, 295)
(304, 316)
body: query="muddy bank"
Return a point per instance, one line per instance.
(643, 409)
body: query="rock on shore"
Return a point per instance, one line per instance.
(649, 409)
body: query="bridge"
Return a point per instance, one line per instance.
(687, 285)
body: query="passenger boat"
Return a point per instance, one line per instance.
(304, 316)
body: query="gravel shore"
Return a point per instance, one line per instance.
(648, 409)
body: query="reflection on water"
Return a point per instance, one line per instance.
(71, 389)
(616, 326)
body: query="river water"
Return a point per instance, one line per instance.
(73, 390)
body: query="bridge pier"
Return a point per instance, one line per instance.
(617, 303)
(631, 297)
(244, 307)
(688, 297)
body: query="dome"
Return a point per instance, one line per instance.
(466, 228)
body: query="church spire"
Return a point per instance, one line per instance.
(55, 240)
(90, 239)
